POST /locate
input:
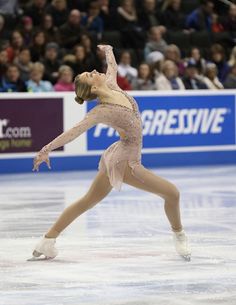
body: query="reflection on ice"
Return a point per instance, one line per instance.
(120, 252)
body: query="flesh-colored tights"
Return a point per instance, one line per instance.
(101, 186)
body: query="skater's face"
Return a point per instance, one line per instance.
(93, 78)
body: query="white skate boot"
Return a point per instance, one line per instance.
(181, 245)
(45, 247)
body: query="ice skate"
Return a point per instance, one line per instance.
(181, 245)
(45, 248)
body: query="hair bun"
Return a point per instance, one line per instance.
(79, 100)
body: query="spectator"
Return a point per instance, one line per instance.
(16, 43)
(65, 81)
(172, 52)
(148, 15)
(211, 80)
(82, 62)
(168, 79)
(71, 31)
(192, 80)
(127, 23)
(229, 22)
(87, 43)
(172, 16)
(4, 32)
(35, 83)
(156, 42)
(9, 8)
(37, 49)
(12, 82)
(195, 55)
(124, 67)
(218, 57)
(144, 80)
(92, 21)
(36, 10)
(123, 83)
(201, 18)
(107, 14)
(216, 26)
(59, 12)
(24, 64)
(232, 59)
(3, 62)
(230, 82)
(47, 26)
(27, 30)
(51, 62)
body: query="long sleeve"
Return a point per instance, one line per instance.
(111, 65)
(91, 119)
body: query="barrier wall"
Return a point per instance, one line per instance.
(179, 128)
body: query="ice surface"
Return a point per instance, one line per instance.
(120, 252)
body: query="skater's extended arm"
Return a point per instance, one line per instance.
(90, 120)
(111, 62)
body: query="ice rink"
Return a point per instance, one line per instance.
(120, 252)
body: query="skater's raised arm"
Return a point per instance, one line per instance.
(111, 62)
(89, 120)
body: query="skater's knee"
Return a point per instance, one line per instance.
(173, 194)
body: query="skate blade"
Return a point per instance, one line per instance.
(187, 257)
(35, 259)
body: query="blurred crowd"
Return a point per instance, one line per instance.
(158, 44)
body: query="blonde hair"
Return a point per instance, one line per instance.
(83, 91)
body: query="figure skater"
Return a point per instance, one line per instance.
(120, 162)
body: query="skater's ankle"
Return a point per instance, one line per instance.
(177, 230)
(52, 234)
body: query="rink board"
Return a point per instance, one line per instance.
(179, 129)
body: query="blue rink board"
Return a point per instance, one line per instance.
(149, 160)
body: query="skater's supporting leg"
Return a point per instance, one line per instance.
(159, 186)
(98, 190)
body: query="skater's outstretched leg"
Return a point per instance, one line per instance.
(146, 180)
(97, 191)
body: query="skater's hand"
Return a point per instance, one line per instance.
(42, 156)
(103, 47)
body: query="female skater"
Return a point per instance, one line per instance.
(120, 162)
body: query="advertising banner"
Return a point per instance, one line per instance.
(177, 121)
(26, 125)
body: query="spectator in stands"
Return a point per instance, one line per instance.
(144, 80)
(232, 59)
(156, 42)
(65, 81)
(59, 12)
(195, 55)
(218, 57)
(3, 62)
(127, 24)
(123, 83)
(82, 62)
(4, 32)
(37, 49)
(172, 52)
(230, 82)
(36, 10)
(35, 83)
(107, 14)
(172, 16)
(51, 62)
(169, 79)
(229, 22)
(148, 14)
(192, 80)
(9, 8)
(50, 30)
(24, 64)
(124, 67)
(201, 18)
(71, 31)
(210, 79)
(216, 26)
(27, 30)
(86, 41)
(16, 43)
(11, 81)
(92, 21)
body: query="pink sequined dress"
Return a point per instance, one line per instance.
(123, 119)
